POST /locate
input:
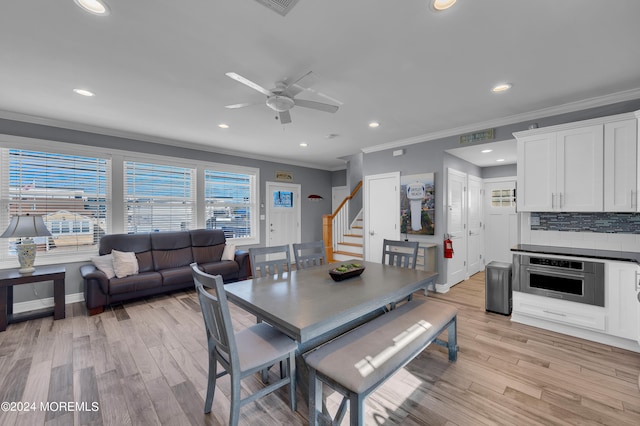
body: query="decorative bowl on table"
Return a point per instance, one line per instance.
(346, 270)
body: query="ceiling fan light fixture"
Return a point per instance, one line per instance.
(280, 103)
(95, 7)
(440, 5)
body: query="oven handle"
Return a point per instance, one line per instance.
(579, 275)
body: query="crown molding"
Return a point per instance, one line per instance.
(613, 98)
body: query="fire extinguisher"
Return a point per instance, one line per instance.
(448, 247)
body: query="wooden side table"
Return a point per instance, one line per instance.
(11, 277)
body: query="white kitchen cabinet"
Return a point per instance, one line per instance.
(621, 166)
(560, 311)
(561, 170)
(621, 300)
(536, 172)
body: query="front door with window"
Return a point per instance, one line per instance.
(283, 213)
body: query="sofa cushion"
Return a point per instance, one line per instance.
(124, 263)
(207, 245)
(177, 276)
(105, 264)
(171, 250)
(207, 254)
(226, 268)
(136, 282)
(229, 252)
(145, 261)
(136, 243)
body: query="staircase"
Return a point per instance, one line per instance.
(343, 240)
(352, 242)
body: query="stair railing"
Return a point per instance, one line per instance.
(336, 225)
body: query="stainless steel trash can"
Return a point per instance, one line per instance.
(498, 291)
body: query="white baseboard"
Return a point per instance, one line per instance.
(442, 288)
(47, 302)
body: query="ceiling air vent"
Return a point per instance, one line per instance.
(281, 6)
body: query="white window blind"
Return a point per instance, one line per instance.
(71, 192)
(158, 197)
(230, 203)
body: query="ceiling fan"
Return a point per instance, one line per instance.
(281, 98)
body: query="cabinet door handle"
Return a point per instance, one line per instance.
(636, 285)
(560, 203)
(553, 201)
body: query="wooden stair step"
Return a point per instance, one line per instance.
(346, 253)
(356, 227)
(351, 244)
(352, 235)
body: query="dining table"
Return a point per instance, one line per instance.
(312, 308)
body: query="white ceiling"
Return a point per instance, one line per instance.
(158, 68)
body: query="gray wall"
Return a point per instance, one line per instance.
(507, 170)
(339, 178)
(312, 181)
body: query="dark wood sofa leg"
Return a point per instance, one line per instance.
(96, 311)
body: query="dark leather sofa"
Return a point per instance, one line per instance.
(163, 262)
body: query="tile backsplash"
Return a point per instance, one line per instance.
(608, 223)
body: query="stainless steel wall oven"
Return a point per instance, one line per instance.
(574, 280)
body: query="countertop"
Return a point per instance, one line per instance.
(625, 256)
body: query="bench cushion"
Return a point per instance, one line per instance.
(365, 356)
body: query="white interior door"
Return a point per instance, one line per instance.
(283, 213)
(475, 243)
(381, 212)
(501, 224)
(457, 226)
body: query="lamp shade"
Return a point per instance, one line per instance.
(26, 226)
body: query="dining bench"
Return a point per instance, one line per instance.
(357, 362)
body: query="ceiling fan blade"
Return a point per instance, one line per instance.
(285, 117)
(315, 105)
(235, 106)
(247, 82)
(302, 83)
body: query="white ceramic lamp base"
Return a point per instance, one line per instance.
(26, 255)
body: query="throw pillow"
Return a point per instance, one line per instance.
(229, 252)
(124, 263)
(104, 264)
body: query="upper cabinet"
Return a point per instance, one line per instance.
(621, 166)
(590, 166)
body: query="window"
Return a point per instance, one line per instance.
(72, 188)
(230, 203)
(158, 197)
(64, 189)
(503, 198)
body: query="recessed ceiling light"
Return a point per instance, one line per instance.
(440, 5)
(500, 160)
(304, 144)
(485, 151)
(96, 7)
(374, 124)
(223, 126)
(502, 87)
(84, 92)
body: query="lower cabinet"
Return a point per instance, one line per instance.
(621, 300)
(560, 311)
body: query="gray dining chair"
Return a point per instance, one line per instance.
(241, 354)
(400, 253)
(309, 254)
(264, 264)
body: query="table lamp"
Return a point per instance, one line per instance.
(26, 227)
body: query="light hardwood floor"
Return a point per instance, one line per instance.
(145, 363)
